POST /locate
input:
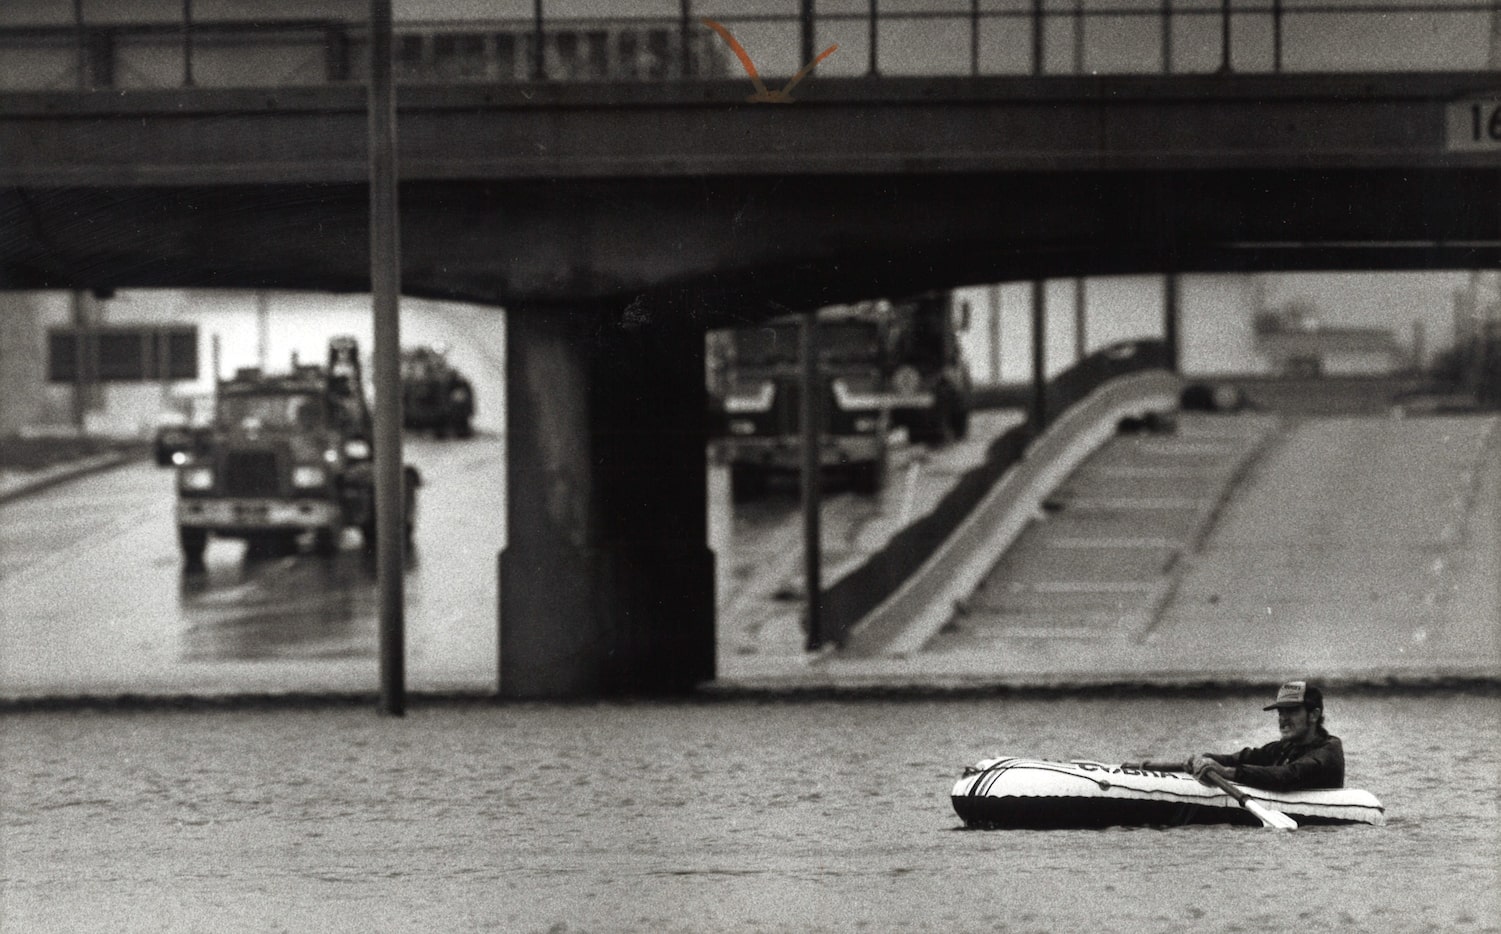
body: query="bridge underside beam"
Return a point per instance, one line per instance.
(796, 240)
(606, 581)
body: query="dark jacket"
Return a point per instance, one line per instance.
(1287, 766)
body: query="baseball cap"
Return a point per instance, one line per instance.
(1297, 694)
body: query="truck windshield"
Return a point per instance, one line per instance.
(838, 341)
(270, 410)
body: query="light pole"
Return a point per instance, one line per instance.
(385, 287)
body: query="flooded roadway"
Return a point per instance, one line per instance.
(95, 598)
(94, 594)
(715, 816)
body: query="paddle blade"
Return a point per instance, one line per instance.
(1269, 818)
(1274, 820)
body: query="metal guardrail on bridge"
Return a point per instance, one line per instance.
(958, 37)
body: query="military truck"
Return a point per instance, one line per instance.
(434, 394)
(286, 454)
(883, 364)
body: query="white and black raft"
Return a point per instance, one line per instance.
(1043, 794)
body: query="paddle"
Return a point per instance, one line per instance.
(1269, 818)
(1157, 766)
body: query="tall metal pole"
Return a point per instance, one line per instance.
(385, 285)
(875, 19)
(1081, 316)
(81, 343)
(1170, 313)
(812, 476)
(1039, 356)
(685, 38)
(995, 334)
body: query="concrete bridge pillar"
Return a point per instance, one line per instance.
(607, 580)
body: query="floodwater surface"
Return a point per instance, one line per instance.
(715, 815)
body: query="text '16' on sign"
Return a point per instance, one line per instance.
(1473, 125)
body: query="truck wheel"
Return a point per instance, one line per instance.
(746, 481)
(868, 478)
(961, 422)
(325, 541)
(462, 428)
(193, 542)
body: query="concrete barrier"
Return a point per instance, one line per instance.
(905, 621)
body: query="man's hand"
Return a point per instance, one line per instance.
(1201, 766)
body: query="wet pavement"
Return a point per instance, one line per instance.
(96, 604)
(763, 804)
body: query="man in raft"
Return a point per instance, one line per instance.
(1305, 757)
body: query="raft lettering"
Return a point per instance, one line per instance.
(1122, 770)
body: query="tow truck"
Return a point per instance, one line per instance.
(286, 454)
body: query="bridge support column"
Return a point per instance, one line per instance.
(607, 580)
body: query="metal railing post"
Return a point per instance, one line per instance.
(81, 38)
(807, 17)
(1039, 39)
(974, 37)
(875, 17)
(1277, 36)
(685, 38)
(1225, 37)
(187, 43)
(539, 57)
(1167, 37)
(1078, 37)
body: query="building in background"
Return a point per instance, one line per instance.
(1292, 341)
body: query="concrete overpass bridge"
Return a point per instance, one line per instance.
(616, 222)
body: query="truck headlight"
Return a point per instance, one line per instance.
(357, 449)
(308, 475)
(195, 478)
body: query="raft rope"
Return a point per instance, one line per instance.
(994, 770)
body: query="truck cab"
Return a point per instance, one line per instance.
(882, 365)
(286, 454)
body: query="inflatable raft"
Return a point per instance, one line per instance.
(1040, 793)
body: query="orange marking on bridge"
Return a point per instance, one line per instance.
(763, 95)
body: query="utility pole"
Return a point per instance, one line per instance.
(812, 477)
(1039, 414)
(995, 334)
(385, 285)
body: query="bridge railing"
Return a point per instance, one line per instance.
(875, 37)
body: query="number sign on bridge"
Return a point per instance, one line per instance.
(1474, 125)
